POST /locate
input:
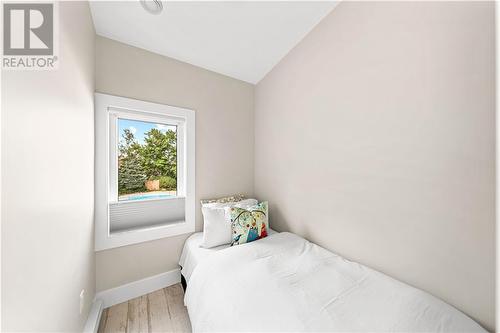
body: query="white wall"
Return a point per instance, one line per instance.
(47, 185)
(374, 138)
(224, 141)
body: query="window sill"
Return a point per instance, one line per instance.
(143, 234)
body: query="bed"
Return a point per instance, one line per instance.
(285, 283)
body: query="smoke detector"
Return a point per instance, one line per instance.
(152, 6)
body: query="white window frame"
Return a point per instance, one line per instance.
(108, 109)
(114, 115)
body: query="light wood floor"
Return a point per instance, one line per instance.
(159, 311)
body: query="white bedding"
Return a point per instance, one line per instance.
(193, 253)
(285, 283)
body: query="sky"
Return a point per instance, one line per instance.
(139, 128)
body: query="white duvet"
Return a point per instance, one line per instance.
(285, 283)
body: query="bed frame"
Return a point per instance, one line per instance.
(183, 282)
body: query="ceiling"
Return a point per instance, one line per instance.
(243, 40)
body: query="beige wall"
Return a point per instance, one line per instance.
(47, 185)
(224, 141)
(374, 137)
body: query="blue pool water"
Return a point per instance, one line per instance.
(146, 196)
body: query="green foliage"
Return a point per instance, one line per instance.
(159, 154)
(131, 176)
(168, 183)
(155, 159)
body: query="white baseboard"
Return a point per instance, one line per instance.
(138, 288)
(92, 324)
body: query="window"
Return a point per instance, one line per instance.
(145, 154)
(144, 171)
(147, 160)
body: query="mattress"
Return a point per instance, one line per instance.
(193, 254)
(286, 283)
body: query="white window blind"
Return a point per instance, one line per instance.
(129, 216)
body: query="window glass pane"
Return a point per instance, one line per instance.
(147, 160)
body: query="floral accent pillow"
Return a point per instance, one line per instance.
(249, 224)
(232, 198)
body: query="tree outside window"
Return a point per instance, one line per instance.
(147, 160)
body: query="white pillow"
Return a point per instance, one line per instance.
(216, 228)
